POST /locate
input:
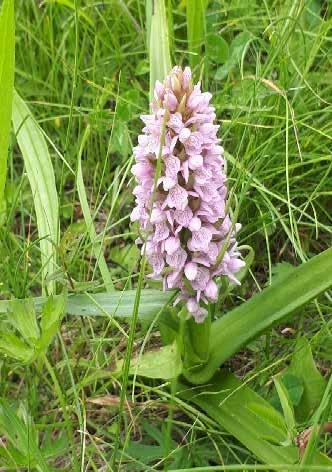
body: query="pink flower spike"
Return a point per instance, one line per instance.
(182, 211)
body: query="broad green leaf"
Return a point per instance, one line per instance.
(262, 410)
(40, 173)
(217, 48)
(117, 304)
(237, 48)
(96, 245)
(196, 28)
(303, 366)
(33, 340)
(249, 418)
(23, 317)
(287, 408)
(294, 387)
(7, 65)
(159, 53)
(235, 329)
(52, 313)
(164, 363)
(14, 347)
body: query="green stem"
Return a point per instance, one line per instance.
(63, 404)
(196, 342)
(168, 439)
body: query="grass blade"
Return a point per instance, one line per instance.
(97, 247)
(195, 28)
(7, 66)
(40, 173)
(71, 5)
(21, 437)
(249, 320)
(159, 54)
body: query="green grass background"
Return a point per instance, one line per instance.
(87, 65)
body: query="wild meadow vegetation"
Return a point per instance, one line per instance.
(98, 370)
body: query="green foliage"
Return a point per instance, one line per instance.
(164, 363)
(304, 384)
(294, 387)
(217, 48)
(159, 53)
(40, 173)
(248, 417)
(22, 449)
(303, 367)
(235, 55)
(71, 5)
(287, 409)
(33, 339)
(7, 65)
(97, 247)
(195, 28)
(117, 304)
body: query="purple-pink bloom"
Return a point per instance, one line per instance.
(189, 237)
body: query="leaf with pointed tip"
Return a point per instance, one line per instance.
(118, 304)
(303, 366)
(40, 173)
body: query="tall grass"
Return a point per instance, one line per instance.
(7, 61)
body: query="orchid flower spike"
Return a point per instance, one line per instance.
(181, 194)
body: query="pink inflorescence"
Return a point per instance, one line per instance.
(181, 194)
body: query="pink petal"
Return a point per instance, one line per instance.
(195, 161)
(195, 224)
(211, 290)
(190, 270)
(177, 198)
(171, 245)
